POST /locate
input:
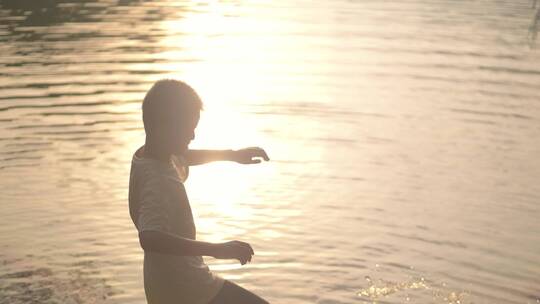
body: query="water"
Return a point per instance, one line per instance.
(403, 137)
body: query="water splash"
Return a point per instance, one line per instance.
(377, 291)
(385, 288)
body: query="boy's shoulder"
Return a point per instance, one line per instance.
(148, 172)
(152, 172)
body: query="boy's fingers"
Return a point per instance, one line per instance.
(264, 155)
(248, 246)
(258, 151)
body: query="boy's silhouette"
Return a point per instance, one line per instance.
(174, 271)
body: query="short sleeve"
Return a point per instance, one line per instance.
(180, 164)
(153, 214)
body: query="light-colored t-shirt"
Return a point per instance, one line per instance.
(158, 201)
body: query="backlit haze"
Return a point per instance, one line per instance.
(403, 138)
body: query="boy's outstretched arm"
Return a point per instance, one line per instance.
(157, 241)
(251, 155)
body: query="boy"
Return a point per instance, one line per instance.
(174, 271)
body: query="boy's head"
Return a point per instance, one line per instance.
(171, 111)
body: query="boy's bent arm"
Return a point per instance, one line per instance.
(165, 243)
(251, 155)
(199, 157)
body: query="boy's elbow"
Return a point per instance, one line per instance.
(146, 240)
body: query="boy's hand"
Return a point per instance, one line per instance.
(233, 250)
(251, 155)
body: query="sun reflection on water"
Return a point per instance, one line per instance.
(380, 290)
(211, 57)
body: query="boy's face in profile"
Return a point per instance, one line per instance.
(182, 131)
(171, 112)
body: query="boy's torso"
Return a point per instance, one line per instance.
(164, 182)
(158, 201)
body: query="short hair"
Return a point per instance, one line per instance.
(164, 100)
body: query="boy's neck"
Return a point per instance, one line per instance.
(154, 152)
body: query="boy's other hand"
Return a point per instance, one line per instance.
(233, 250)
(251, 155)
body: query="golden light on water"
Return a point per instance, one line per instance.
(239, 54)
(225, 191)
(216, 55)
(374, 114)
(213, 50)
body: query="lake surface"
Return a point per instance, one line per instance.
(403, 136)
